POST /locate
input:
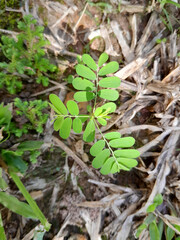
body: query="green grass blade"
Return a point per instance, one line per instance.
(2, 232)
(31, 202)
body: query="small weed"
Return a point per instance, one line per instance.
(24, 56)
(111, 153)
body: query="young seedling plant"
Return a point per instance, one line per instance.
(111, 153)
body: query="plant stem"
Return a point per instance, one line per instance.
(94, 108)
(107, 144)
(30, 200)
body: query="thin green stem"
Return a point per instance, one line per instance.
(97, 84)
(30, 200)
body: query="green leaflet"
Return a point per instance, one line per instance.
(151, 208)
(102, 59)
(66, 128)
(89, 132)
(87, 59)
(58, 123)
(97, 148)
(102, 121)
(112, 135)
(158, 199)
(72, 108)
(109, 94)
(100, 158)
(127, 163)
(153, 231)
(98, 111)
(84, 96)
(110, 107)
(16, 206)
(122, 142)
(30, 145)
(107, 166)
(110, 82)
(85, 72)
(77, 125)
(109, 68)
(114, 168)
(58, 104)
(127, 153)
(82, 84)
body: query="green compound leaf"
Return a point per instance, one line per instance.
(66, 128)
(82, 84)
(102, 59)
(108, 94)
(72, 107)
(110, 82)
(59, 106)
(153, 231)
(127, 163)
(110, 107)
(58, 123)
(89, 132)
(112, 135)
(77, 125)
(127, 153)
(100, 158)
(87, 59)
(122, 142)
(84, 96)
(85, 72)
(109, 68)
(16, 206)
(97, 148)
(102, 121)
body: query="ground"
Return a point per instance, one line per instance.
(81, 203)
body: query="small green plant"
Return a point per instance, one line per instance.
(24, 56)
(155, 225)
(13, 164)
(166, 20)
(111, 153)
(33, 112)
